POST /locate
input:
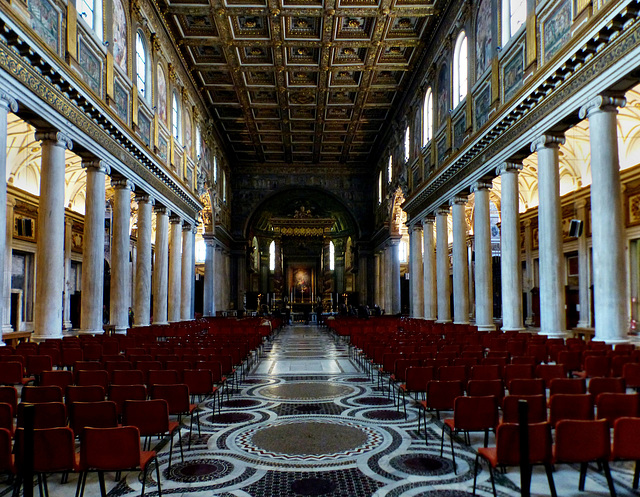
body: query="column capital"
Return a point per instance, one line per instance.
(547, 141)
(458, 200)
(60, 139)
(508, 167)
(175, 220)
(481, 185)
(527, 223)
(121, 183)
(429, 218)
(95, 165)
(602, 103)
(187, 227)
(194, 229)
(581, 203)
(144, 198)
(416, 227)
(161, 209)
(8, 102)
(442, 211)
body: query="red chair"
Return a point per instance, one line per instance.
(102, 414)
(570, 406)
(9, 395)
(114, 449)
(86, 366)
(215, 368)
(121, 393)
(517, 372)
(567, 386)
(6, 416)
(162, 377)
(93, 377)
(88, 393)
(46, 415)
(177, 396)
(151, 417)
(482, 388)
(582, 441)
(600, 385)
(537, 408)
(417, 381)
(70, 356)
(12, 373)
(36, 364)
(507, 452)
(54, 452)
(451, 373)
(570, 360)
(618, 362)
(486, 372)
(92, 352)
(7, 463)
(33, 395)
(534, 386)
(626, 443)
(631, 375)
(200, 383)
(57, 377)
(596, 365)
(470, 414)
(441, 396)
(611, 406)
(550, 372)
(127, 377)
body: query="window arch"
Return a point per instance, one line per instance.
(142, 81)
(427, 117)
(198, 142)
(215, 169)
(91, 12)
(390, 169)
(514, 14)
(460, 65)
(175, 117)
(407, 144)
(380, 187)
(224, 187)
(272, 256)
(332, 256)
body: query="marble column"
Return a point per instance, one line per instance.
(472, 277)
(610, 291)
(161, 266)
(429, 270)
(120, 277)
(388, 283)
(583, 268)
(66, 301)
(510, 269)
(529, 283)
(8, 266)
(416, 279)
(7, 104)
(460, 268)
(209, 308)
(50, 249)
(443, 286)
(553, 319)
(394, 253)
(142, 295)
(92, 296)
(187, 272)
(218, 298)
(175, 257)
(376, 297)
(483, 260)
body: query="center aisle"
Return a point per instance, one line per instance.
(308, 421)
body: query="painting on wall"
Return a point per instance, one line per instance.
(483, 38)
(90, 65)
(301, 283)
(459, 129)
(443, 93)
(512, 74)
(163, 148)
(121, 101)
(45, 21)
(482, 104)
(144, 126)
(162, 95)
(119, 35)
(556, 29)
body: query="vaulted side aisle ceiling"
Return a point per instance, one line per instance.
(301, 81)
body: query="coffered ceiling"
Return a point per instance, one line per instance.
(301, 81)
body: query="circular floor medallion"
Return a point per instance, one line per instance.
(384, 415)
(358, 380)
(374, 401)
(313, 486)
(198, 470)
(306, 391)
(227, 418)
(422, 464)
(238, 403)
(306, 408)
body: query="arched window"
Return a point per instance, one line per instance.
(198, 142)
(407, 144)
(91, 12)
(460, 69)
(514, 14)
(215, 169)
(390, 169)
(380, 187)
(427, 117)
(175, 117)
(332, 256)
(224, 187)
(272, 256)
(402, 251)
(141, 65)
(162, 94)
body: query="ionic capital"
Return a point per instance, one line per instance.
(602, 103)
(429, 219)
(122, 183)
(458, 200)
(508, 167)
(187, 227)
(547, 141)
(8, 102)
(144, 198)
(481, 185)
(161, 210)
(96, 165)
(442, 211)
(175, 220)
(58, 137)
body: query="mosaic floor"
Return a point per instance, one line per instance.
(308, 422)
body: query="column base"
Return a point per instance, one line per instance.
(582, 324)
(461, 322)
(175, 321)
(140, 325)
(66, 325)
(7, 328)
(443, 321)
(554, 334)
(486, 327)
(91, 332)
(160, 322)
(120, 331)
(42, 338)
(508, 328)
(528, 322)
(611, 341)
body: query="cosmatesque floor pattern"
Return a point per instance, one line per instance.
(307, 421)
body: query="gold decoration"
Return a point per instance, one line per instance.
(353, 23)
